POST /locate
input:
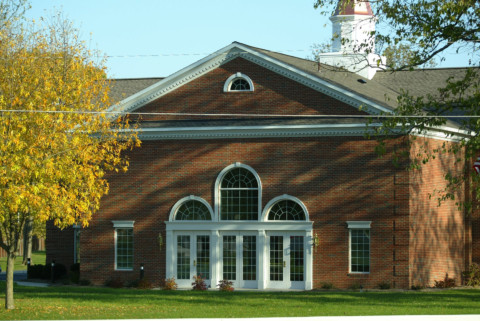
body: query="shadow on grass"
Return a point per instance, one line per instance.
(457, 301)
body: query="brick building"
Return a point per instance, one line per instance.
(237, 180)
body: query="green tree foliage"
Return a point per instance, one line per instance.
(402, 55)
(428, 28)
(56, 142)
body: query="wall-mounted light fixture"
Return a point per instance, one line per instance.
(316, 241)
(160, 240)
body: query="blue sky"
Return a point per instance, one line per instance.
(181, 32)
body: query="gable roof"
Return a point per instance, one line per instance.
(342, 86)
(375, 96)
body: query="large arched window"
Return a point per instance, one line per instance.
(285, 208)
(238, 193)
(191, 208)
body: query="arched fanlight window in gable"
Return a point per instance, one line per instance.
(285, 208)
(238, 82)
(238, 193)
(191, 208)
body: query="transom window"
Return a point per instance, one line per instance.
(238, 82)
(193, 210)
(286, 210)
(239, 193)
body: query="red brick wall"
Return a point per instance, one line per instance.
(437, 244)
(338, 179)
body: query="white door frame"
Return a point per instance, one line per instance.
(286, 283)
(260, 229)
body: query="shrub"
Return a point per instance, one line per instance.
(114, 283)
(170, 284)
(199, 283)
(445, 283)
(226, 286)
(384, 285)
(36, 271)
(84, 282)
(356, 286)
(59, 271)
(327, 286)
(416, 287)
(75, 273)
(472, 276)
(144, 284)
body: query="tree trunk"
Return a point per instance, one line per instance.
(27, 240)
(9, 303)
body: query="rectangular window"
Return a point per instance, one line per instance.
(124, 248)
(360, 250)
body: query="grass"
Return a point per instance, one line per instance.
(67, 302)
(38, 257)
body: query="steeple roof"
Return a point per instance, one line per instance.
(353, 7)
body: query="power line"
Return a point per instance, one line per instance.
(120, 113)
(187, 54)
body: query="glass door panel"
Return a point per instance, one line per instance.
(229, 257)
(192, 258)
(239, 259)
(286, 261)
(276, 258)
(297, 262)
(203, 256)
(249, 258)
(183, 257)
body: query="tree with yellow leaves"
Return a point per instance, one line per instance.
(56, 141)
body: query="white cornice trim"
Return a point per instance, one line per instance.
(326, 130)
(239, 226)
(252, 131)
(226, 54)
(359, 224)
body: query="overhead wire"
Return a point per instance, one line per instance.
(121, 113)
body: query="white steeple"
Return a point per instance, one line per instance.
(353, 25)
(353, 39)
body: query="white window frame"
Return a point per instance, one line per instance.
(359, 225)
(283, 197)
(173, 212)
(123, 225)
(228, 83)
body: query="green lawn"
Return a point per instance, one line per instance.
(65, 302)
(38, 257)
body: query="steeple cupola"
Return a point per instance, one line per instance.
(353, 27)
(353, 39)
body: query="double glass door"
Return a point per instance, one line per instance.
(192, 258)
(286, 261)
(276, 259)
(239, 262)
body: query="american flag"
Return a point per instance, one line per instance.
(476, 165)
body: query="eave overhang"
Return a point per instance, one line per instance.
(323, 130)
